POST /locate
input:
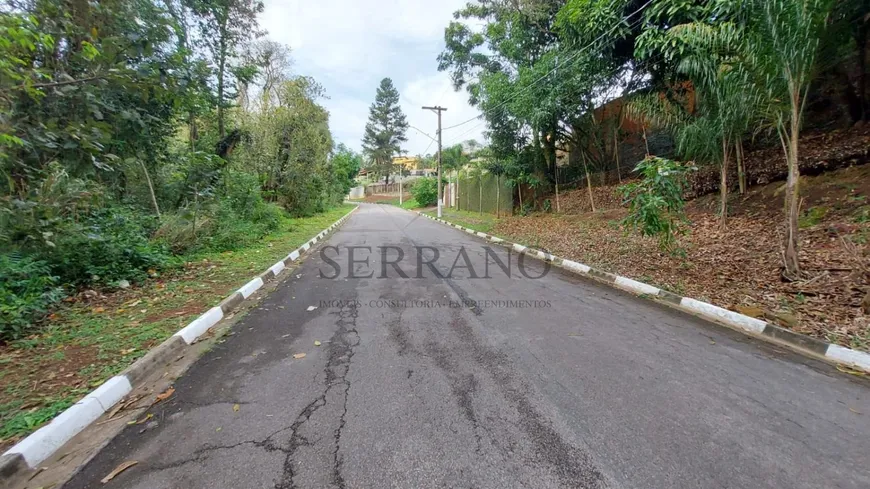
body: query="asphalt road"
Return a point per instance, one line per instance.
(542, 382)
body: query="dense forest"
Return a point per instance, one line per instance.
(713, 75)
(134, 133)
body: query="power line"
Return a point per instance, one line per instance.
(570, 59)
(484, 121)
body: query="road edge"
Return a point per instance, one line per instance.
(26, 455)
(757, 328)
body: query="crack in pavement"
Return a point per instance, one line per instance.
(202, 454)
(341, 351)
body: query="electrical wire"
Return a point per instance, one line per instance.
(570, 59)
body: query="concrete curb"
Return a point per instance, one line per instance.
(829, 352)
(27, 454)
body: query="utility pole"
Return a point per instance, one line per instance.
(438, 109)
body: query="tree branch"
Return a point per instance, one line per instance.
(65, 82)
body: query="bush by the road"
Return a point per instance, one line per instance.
(27, 291)
(425, 191)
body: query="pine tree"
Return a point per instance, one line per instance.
(385, 130)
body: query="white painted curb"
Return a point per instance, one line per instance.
(849, 357)
(200, 325)
(40, 445)
(44, 442)
(112, 391)
(633, 285)
(250, 287)
(277, 268)
(575, 266)
(769, 332)
(717, 313)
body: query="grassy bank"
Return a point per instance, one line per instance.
(474, 220)
(407, 203)
(97, 335)
(738, 268)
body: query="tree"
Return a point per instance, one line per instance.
(385, 130)
(784, 46)
(224, 26)
(346, 164)
(454, 158)
(709, 50)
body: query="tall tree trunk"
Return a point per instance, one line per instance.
(150, 188)
(193, 135)
(520, 190)
(616, 153)
(723, 184)
(861, 41)
(741, 172)
(480, 194)
(458, 190)
(792, 194)
(645, 141)
(497, 196)
(220, 75)
(588, 183)
(558, 208)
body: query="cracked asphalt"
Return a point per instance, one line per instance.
(571, 385)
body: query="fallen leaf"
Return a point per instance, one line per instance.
(311, 308)
(855, 411)
(316, 343)
(124, 466)
(99, 309)
(236, 408)
(164, 395)
(217, 430)
(297, 356)
(850, 371)
(146, 418)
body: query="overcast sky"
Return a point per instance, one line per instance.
(350, 45)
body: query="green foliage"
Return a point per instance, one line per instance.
(385, 129)
(812, 216)
(425, 191)
(109, 245)
(289, 146)
(656, 200)
(238, 218)
(346, 164)
(121, 143)
(453, 158)
(28, 290)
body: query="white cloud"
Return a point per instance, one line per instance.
(437, 90)
(349, 45)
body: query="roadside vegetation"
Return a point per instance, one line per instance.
(154, 156)
(612, 122)
(711, 77)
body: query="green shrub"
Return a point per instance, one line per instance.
(28, 290)
(237, 217)
(231, 231)
(425, 191)
(112, 244)
(656, 200)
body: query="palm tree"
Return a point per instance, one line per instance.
(783, 47)
(711, 55)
